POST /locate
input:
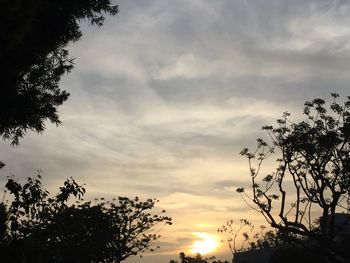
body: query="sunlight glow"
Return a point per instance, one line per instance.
(206, 244)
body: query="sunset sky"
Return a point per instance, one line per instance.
(166, 94)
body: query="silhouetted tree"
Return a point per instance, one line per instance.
(38, 228)
(251, 239)
(3, 223)
(266, 239)
(196, 259)
(232, 234)
(33, 55)
(313, 172)
(133, 227)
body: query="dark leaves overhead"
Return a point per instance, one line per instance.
(34, 37)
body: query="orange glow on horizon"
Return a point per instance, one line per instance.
(207, 243)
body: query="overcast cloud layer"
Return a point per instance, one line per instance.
(166, 94)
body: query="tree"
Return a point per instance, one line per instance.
(313, 173)
(267, 239)
(252, 240)
(38, 228)
(133, 227)
(197, 259)
(33, 54)
(231, 235)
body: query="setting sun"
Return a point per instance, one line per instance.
(206, 243)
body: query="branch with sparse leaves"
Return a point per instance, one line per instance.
(313, 171)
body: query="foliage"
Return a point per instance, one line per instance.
(266, 239)
(197, 259)
(34, 56)
(3, 222)
(38, 228)
(271, 238)
(231, 234)
(313, 171)
(133, 226)
(251, 239)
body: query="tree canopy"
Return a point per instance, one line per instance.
(34, 56)
(198, 258)
(313, 172)
(38, 228)
(253, 239)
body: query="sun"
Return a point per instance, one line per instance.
(206, 243)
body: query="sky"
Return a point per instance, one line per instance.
(166, 94)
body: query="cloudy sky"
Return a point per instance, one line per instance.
(166, 94)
